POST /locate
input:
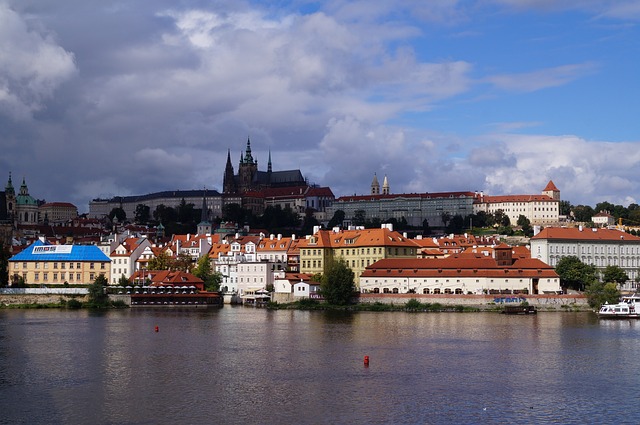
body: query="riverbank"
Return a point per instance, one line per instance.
(364, 302)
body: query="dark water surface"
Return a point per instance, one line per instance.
(244, 365)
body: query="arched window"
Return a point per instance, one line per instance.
(395, 290)
(425, 291)
(436, 291)
(376, 290)
(447, 291)
(458, 290)
(386, 290)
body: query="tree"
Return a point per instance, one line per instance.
(182, 262)
(614, 274)
(234, 213)
(426, 230)
(4, 265)
(123, 281)
(142, 214)
(565, 208)
(119, 214)
(598, 293)
(525, 224)
(359, 217)
(337, 285)
(164, 214)
(575, 274)
(203, 270)
(97, 296)
(445, 217)
(582, 213)
(160, 262)
(336, 220)
(456, 225)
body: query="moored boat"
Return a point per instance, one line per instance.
(625, 309)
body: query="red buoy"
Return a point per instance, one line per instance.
(157, 329)
(366, 360)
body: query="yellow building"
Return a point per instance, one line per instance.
(46, 264)
(359, 248)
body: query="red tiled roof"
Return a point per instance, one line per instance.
(550, 186)
(590, 234)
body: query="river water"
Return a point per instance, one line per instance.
(239, 365)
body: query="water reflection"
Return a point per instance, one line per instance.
(238, 365)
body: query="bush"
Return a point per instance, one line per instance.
(74, 304)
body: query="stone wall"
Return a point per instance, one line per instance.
(15, 299)
(542, 302)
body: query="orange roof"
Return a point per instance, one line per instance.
(586, 234)
(361, 238)
(515, 198)
(551, 187)
(466, 265)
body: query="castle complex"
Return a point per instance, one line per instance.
(249, 178)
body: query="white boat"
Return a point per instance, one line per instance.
(625, 309)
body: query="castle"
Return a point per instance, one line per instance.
(249, 178)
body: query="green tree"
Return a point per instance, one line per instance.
(598, 293)
(164, 214)
(119, 214)
(614, 274)
(359, 218)
(5, 254)
(203, 270)
(182, 262)
(565, 208)
(575, 274)
(456, 225)
(234, 213)
(97, 296)
(336, 220)
(162, 261)
(142, 214)
(525, 224)
(582, 213)
(426, 230)
(123, 281)
(337, 285)
(186, 212)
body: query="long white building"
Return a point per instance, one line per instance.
(599, 247)
(539, 209)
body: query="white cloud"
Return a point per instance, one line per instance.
(540, 79)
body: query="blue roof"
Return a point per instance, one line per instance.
(60, 253)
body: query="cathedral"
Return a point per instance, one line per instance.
(21, 208)
(249, 178)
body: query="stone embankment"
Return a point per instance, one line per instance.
(546, 302)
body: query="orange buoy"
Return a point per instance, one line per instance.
(366, 360)
(157, 329)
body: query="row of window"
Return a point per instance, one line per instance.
(597, 249)
(63, 266)
(63, 277)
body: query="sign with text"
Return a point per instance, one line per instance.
(52, 249)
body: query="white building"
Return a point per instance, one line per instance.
(539, 209)
(599, 247)
(124, 257)
(603, 219)
(466, 273)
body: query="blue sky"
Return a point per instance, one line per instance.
(127, 98)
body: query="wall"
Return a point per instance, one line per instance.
(543, 302)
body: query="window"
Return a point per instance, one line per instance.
(45, 276)
(37, 265)
(102, 265)
(91, 266)
(24, 265)
(55, 265)
(70, 266)
(36, 276)
(78, 266)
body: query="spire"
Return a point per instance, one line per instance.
(205, 213)
(228, 181)
(385, 186)
(269, 163)
(247, 156)
(375, 186)
(24, 190)
(9, 187)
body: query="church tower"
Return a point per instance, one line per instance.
(229, 179)
(551, 191)
(375, 186)
(248, 169)
(10, 194)
(204, 227)
(385, 186)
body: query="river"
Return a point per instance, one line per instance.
(239, 365)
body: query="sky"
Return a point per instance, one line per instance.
(117, 98)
